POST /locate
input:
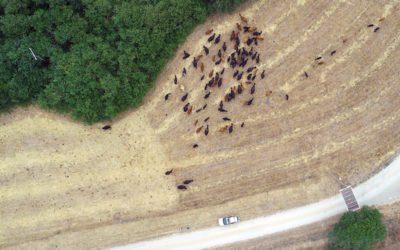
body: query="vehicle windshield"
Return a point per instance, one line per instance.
(226, 221)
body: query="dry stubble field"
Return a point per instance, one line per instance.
(69, 185)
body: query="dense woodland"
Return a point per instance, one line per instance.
(91, 58)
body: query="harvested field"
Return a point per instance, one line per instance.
(68, 185)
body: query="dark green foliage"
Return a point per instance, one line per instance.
(358, 230)
(95, 58)
(222, 5)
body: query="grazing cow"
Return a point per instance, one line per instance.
(184, 97)
(211, 82)
(260, 38)
(217, 39)
(226, 119)
(255, 72)
(231, 128)
(305, 73)
(244, 19)
(205, 50)
(183, 72)
(222, 129)
(222, 110)
(211, 73)
(268, 93)
(232, 94)
(190, 110)
(206, 131)
(206, 119)
(239, 89)
(185, 55)
(287, 97)
(370, 25)
(236, 73)
(240, 76)
(211, 37)
(251, 29)
(376, 29)
(207, 95)
(219, 82)
(258, 58)
(345, 40)
(106, 127)
(222, 71)
(321, 62)
(195, 123)
(382, 19)
(248, 82)
(186, 107)
(200, 109)
(246, 28)
(202, 67)
(199, 57)
(254, 77)
(237, 41)
(175, 80)
(213, 58)
(226, 98)
(249, 42)
(250, 101)
(263, 74)
(199, 129)
(187, 182)
(249, 77)
(209, 31)
(218, 62)
(318, 58)
(166, 96)
(169, 172)
(333, 52)
(221, 104)
(232, 35)
(246, 39)
(250, 69)
(195, 146)
(224, 46)
(242, 125)
(194, 62)
(205, 106)
(238, 26)
(202, 77)
(205, 87)
(255, 41)
(254, 56)
(257, 33)
(253, 89)
(219, 53)
(182, 187)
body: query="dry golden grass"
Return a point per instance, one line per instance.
(76, 186)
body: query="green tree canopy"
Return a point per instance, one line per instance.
(358, 230)
(94, 58)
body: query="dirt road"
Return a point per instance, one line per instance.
(67, 185)
(382, 188)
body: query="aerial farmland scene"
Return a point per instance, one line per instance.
(199, 124)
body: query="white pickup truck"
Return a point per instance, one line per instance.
(228, 220)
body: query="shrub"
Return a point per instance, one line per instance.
(358, 230)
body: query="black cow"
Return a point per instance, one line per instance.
(207, 95)
(226, 119)
(166, 96)
(186, 107)
(106, 127)
(175, 80)
(211, 37)
(217, 39)
(231, 128)
(187, 182)
(195, 146)
(182, 187)
(224, 46)
(185, 55)
(253, 89)
(205, 50)
(168, 172)
(263, 74)
(184, 97)
(206, 131)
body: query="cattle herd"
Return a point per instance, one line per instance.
(237, 56)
